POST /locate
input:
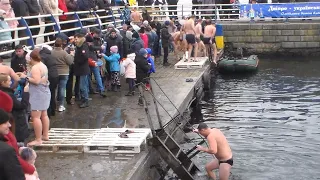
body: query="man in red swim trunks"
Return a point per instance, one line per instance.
(219, 146)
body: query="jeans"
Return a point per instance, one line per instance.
(97, 76)
(53, 86)
(131, 83)
(84, 88)
(63, 79)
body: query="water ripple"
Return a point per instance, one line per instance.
(271, 120)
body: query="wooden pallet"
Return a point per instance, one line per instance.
(184, 64)
(105, 140)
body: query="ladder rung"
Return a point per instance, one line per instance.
(178, 153)
(166, 139)
(190, 167)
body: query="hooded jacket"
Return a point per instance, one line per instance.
(50, 62)
(114, 62)
(142, 68)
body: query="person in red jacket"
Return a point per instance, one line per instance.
(63, 6)
(144, 37)
(6, 104)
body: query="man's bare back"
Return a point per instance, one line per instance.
(198, 29)
(218, 146)
(210, 31)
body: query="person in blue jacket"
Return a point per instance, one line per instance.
(114, 59)
(152, 69)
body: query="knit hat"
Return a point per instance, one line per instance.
(89, 39)
(6, 102)
(110, 26)
(114, 49)
(146, 23)
(83, 31)
(129, 35)
(142, 52)
(4, 117)
(167, 23)
(149, 50)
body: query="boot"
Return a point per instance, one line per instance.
(103, 94)
(129, 94)
(140, 102)
(84, 104)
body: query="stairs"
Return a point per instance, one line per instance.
(174, 156)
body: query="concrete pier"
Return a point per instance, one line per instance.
(101, 112)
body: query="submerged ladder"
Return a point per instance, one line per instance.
(170, 151)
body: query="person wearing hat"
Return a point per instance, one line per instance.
(81, 68)
(8, 138)
(142, 69)
(137, 43)
(113, 60)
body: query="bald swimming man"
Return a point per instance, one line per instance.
(219, 147)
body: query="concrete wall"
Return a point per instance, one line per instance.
(275, 37)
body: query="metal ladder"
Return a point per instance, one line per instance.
(169, 149)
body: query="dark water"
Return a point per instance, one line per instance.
(271, 120)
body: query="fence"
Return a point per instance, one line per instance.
(101, 18)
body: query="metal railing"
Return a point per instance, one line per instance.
(102, 18)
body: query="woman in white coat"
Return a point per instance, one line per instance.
(50, 7)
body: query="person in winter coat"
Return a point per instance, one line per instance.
(126, 40)
(63, 7)
(81, 67)
(165, 40)
(20, 9)
(114, 67)
(53, 76)
(152, 69)
(144, 37)
(72, 5)
(137, 43)
(142, 69)
(63, 61)
(130, 73)
(10, 167)
(9, 13)
(4, 36)
(114, 40)
(18, 60)
(49, 7)
(95, 48)
(19, 110)
(34, 10)
(7, 136)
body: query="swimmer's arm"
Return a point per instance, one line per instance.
(213, 149)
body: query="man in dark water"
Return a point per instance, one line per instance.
(218, 146)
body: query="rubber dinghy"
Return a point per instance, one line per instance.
(229, 65)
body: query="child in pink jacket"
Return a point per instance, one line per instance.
(130, 73)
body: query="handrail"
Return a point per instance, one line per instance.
(219, 12)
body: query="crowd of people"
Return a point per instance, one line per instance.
(40, 82)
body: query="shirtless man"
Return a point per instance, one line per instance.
(178, 43)
(188, 28)
(199, 35)
(219, 147)
(209, 40)
(136, 17)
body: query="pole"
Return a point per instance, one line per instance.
(156, 106)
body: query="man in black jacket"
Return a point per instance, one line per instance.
(53, 77)
(165, 40)
(18, 60)
(81, 67)
(114, 40)
(10, 167)
(142, 69)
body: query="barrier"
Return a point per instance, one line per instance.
(101, 18)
